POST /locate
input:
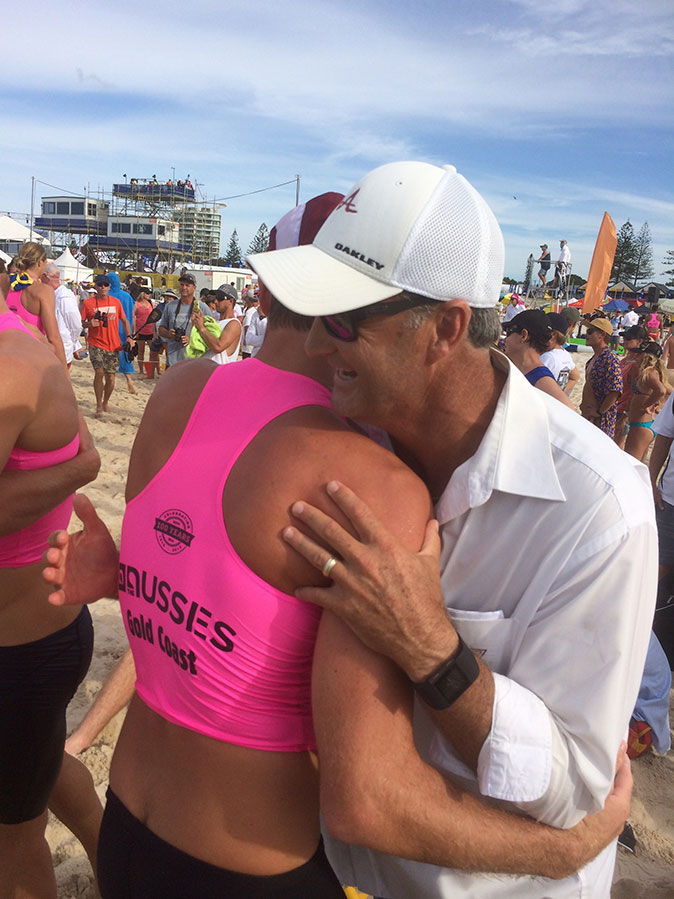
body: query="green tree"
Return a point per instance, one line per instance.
(669, 260)
(233, 254)
(643, 255)
(260, 242)
(624, 259)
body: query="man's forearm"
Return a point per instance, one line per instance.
(377, 792)
(467, 722)
(610, 400)
(455, 830)
(25, 496)
(659, 454)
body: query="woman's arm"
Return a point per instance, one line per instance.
(551, 387)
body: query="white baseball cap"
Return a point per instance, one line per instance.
(404, 226)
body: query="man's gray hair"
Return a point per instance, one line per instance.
(484, 328)
(52, 270)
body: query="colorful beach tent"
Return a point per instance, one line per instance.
(616, 305)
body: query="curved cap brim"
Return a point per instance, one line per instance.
(310, 282)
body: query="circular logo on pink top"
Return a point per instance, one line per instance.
(174, 531)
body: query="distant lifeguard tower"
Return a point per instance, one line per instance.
(146, 225)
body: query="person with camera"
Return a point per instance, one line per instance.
(101, 315)
(175, 324)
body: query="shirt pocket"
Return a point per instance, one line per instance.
(489, 634)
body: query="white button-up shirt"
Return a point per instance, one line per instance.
(549, 568)
(68, 320)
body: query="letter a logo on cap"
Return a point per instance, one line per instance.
(347, 202)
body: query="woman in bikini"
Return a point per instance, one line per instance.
(44, 651)
(649, 391)
(31, 299)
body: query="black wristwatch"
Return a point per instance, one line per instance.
(451, 680)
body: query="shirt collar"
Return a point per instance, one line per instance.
(514, 456)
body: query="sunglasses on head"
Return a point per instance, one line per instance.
(344, 325)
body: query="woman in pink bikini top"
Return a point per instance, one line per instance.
(44, 650)
(31, 299)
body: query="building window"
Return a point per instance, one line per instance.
(48, 208)
(77, 208)
(91, 209)
(63, 208)
(142, 229)
(121, 228)
(161, 230)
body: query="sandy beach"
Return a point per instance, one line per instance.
(649, 872)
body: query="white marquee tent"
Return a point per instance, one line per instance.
(71, 269)
(12, 232)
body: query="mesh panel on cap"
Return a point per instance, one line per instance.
(454, 249)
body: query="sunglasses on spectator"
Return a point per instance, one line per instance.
(344, 325)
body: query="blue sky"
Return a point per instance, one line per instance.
(555, 112)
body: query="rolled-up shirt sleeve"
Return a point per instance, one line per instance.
(561, 713)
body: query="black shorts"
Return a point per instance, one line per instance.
(134, 863)
(37, 681)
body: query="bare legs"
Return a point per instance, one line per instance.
(75, 802)
(104, 384)
(637, 442)
(26, 870)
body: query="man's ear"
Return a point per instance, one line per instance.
(450, 322)
(264, 298)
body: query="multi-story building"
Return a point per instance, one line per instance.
(200, 230)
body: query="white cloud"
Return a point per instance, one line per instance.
(248, 94)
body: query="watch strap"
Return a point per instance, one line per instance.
(451, 680)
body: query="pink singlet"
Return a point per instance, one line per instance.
(217, 649)
(16, 306)
(27, 545)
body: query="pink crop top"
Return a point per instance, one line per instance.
(27, 545)
(217, 649)
(17, 307)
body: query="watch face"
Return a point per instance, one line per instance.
(453, 679)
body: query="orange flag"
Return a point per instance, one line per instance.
(602, 262)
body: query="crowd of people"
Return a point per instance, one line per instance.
(332, 684)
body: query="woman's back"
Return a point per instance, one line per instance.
(253, 810)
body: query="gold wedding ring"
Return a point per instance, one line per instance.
(329, 565)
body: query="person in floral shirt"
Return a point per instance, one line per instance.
(603, 378)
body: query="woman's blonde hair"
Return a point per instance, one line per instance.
(30, 254)
(648, 362)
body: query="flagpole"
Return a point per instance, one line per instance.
(32, 204)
